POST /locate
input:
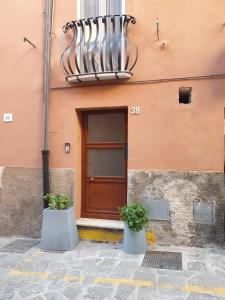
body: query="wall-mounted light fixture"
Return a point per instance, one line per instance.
(67, 147)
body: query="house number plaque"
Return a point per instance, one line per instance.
(135, 110)
(7, 117)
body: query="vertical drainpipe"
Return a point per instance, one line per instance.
(46, 74)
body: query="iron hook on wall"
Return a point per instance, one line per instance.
(28, 41)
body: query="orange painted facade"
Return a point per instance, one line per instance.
(166, 136)
(21, 83)
(177, 137)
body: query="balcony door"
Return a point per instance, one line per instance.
(89, 45)
(95, 8)
(104, 163)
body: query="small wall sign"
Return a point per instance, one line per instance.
(203, 212)
(158, 209)
(7, 117)
(135, 110)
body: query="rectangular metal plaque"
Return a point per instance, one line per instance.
(158, 209)
(203, 212)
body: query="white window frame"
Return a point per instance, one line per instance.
(102, 9)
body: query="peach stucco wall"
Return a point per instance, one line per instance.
(194, 32)
(166, 135)
(21, 82)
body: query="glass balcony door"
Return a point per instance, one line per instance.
(95, 8)
(105, 41)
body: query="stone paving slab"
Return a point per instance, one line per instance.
(20, 246)
(101, 271)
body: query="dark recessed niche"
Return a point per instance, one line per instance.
(185, 95)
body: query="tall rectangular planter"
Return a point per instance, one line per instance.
(134, 242)
(59, 230)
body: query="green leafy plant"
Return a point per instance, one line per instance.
(134, 215)
(58, 202)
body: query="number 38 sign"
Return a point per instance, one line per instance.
(135, 110)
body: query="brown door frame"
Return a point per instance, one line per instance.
(84, 146)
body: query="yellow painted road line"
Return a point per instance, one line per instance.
(124, 281)
(45, 275)
(203, 290)
(148, 283)
(68, 277)
(42, 275)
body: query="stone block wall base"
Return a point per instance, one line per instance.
(62, 181)
(182, 190)
(21, 202)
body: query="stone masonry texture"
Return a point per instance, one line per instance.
(21, 202)
(181, 189)
(62, 181)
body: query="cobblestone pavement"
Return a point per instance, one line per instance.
(102, 271)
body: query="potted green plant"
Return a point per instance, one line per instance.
(59, 230)
(135, 218)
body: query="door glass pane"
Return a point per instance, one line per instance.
(106, 128)
(113, 7)
(89, 8)
(105, 162)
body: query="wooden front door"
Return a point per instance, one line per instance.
(104, 163)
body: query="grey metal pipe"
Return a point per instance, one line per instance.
(46, 71)
(46, 75)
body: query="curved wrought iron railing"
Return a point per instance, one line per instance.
(100, 48)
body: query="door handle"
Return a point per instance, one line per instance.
(92, 178)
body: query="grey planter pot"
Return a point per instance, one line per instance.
(134, 242)
(59, 230)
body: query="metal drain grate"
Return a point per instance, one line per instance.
(163, 260)
(20, 246)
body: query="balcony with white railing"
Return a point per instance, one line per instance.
(100, 49)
